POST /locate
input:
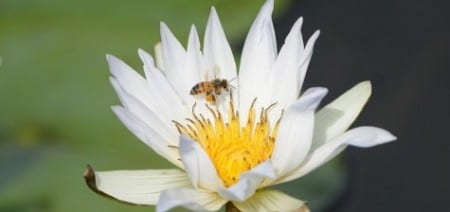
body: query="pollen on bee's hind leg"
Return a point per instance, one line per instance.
(210, 98)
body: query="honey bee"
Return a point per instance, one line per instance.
(211, 89)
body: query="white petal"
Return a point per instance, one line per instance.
(148, 135)
(190, 198)
(195, 58)
(258, 55)
(129, 79)
(137, 88)
(164, 96)
(174, 59)
(336, 117)
(295, 132)
(306, 58)
(150, 118)
(270, 200)
(158, 56)
(366, 136)
(198, 166)
(286, 67)
(142, 187)
(361, 136)
(248, 182)
(291, 66)
(217, 50)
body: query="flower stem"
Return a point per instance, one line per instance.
(229, 207)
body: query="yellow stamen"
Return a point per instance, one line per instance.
(233, 148)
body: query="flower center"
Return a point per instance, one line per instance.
(233, 148)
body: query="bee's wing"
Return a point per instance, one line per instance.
(216, 71)
(206, 77)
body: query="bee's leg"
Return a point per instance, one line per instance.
(210, 97)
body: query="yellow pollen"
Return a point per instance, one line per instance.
(233, 148)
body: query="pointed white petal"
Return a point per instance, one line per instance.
(198, 166)
(129, 79)
(146, 59)
(367, 136)
(174, 58)
(195, 60)
(248, 182)
(286, 67)
(190, 198)
(306, 58)
(158, 56)
(141, 187)
(148, 135)
(163, 94)
(336, 117)
(270, 200)
(217, 50)
(166, 129)
(360, 136)
(295, 132)
(258, 56)
(129, 82)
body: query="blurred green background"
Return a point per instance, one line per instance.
(55, 96)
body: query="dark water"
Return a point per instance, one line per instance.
(403, 47)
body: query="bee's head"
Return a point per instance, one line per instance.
(224, 83)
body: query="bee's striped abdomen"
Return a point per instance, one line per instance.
(196, 89)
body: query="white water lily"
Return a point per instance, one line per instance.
(259, 133)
